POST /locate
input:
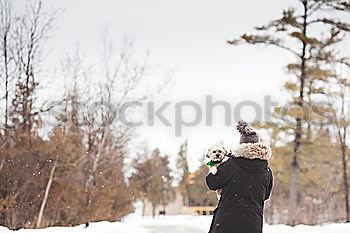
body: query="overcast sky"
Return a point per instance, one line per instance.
(189, 36)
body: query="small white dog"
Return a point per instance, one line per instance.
(218, 154)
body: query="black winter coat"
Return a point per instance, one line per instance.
(246, 182)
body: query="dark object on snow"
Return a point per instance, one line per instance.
(248, 134)
(162, 212)
(86, 225)
(246, 182)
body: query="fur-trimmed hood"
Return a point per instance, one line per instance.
(258, 150)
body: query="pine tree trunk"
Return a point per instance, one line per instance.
(346, 182)
(292, 205)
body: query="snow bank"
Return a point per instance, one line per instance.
(203, 223)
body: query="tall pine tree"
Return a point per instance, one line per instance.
(183, 172)
(297, 32)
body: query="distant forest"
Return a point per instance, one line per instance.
(69, 167)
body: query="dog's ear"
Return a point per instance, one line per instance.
(208, 154)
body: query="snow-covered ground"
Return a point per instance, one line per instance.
(200, 224)
(178, 224)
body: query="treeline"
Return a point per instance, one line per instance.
(62, 153)
(153, 181)
(64, 163)
(309, 134)
(321, 188)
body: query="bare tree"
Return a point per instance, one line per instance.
(87, 146)
(27, 33)
(30, 32)
(6, 21)
(341, 125)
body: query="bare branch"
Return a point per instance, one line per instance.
(340, 25)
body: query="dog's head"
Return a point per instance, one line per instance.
(217, 153)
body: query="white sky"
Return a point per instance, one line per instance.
(188, 35)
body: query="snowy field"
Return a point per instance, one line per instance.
(178, 224)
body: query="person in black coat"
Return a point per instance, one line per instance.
(246, 182)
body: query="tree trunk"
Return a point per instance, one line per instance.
(342, 141)
(6, 81)
(292, 205)
(6, 18)
(346, 182)
(46, 195)
(271, 210)
(2, 164)
(154, 210)
(95, 164)
(143, 208)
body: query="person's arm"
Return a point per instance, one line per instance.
(223, 175)
(269, 188)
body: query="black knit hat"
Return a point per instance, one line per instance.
(248, 134)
